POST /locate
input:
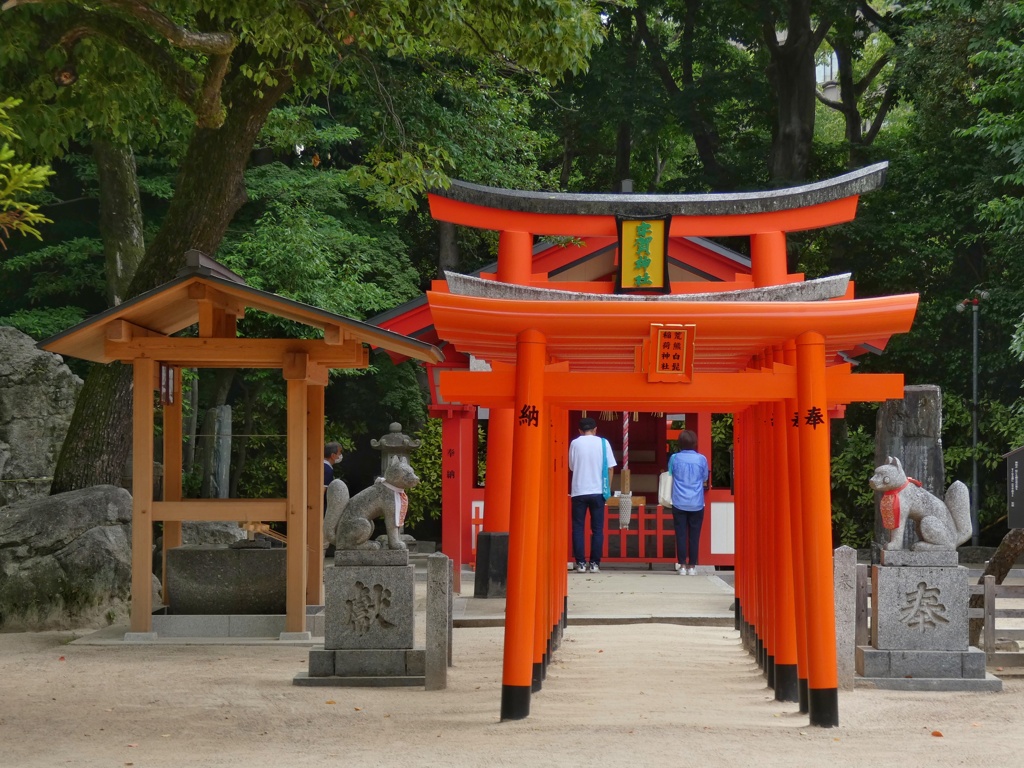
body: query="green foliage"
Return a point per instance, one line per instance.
(853, 504)
(721, 450)
(425, 498)
(17, 182)
(44, 322)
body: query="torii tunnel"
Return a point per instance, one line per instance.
(779, 362)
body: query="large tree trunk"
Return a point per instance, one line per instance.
(689, 111)
(448, 249)
(791, 74)
(210, 190)
(120, 216)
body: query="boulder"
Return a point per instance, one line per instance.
(37, 398)
(65, 560)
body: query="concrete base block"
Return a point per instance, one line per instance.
(192, 626)
(140, 637)
(379, 663)
(321, 662)
(304, 678)
(990, 683)
(873, 663)
(903, 557)
(295, 636)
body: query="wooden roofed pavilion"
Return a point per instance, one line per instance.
(141, 332)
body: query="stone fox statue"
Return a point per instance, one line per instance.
(941, 525)
(348, 522)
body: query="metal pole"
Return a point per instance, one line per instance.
(974, 431)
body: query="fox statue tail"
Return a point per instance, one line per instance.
(958, 502)
(337, 500)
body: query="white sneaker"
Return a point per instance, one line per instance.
(581, 567)
(679, 567)
(683, 571)
(595, 568)
(692, 570)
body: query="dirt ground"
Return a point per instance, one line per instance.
(643, 694)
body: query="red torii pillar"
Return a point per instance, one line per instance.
(523, 558)
(816, 495)
(797, 533)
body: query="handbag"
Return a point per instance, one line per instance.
(665, 489)
(606, 487)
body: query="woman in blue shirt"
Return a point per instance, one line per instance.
(689, 480)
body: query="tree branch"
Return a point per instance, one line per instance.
(871, 74)
(212, 43)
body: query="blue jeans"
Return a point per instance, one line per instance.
(687, 525)
(580, 505)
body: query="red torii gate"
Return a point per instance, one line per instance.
(778, 366)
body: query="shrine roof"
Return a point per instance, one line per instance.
(607, 336)
(629, 204)
(174, 306)
(789, 209)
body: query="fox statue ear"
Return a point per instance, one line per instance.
(896, 463)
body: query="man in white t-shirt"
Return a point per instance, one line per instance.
(588, 456)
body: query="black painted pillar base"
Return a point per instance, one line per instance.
(759, 652)
(769, 669)
(737, 619)
(515, 702)
(824, 707)
(491, 565)
(538, 677)
(786, 686)
(804, 706)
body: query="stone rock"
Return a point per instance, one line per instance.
(210, 532)
(66, 559)
(37, 398)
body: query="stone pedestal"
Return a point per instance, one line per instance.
(207, 579)
(919, 626)
(369, 622)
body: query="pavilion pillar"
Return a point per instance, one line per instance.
(314, 494)
(786, 686)
(295, 373)
(815, 473)
(172, 428)
(515, 257)
(768, 258)
(143, 378)
(797, 533)
(527, 469)
(458, 471)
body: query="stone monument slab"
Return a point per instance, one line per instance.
(369, 606)
(919, 608)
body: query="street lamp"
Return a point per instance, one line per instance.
(974, 304)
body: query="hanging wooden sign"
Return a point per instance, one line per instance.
(643, 249)
(670, 352)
